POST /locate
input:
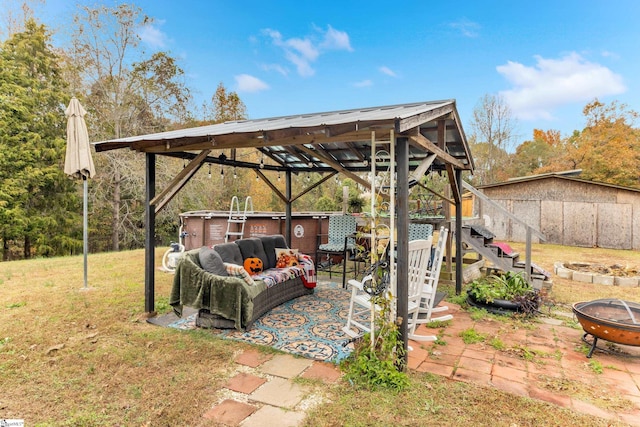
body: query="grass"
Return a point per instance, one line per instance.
(73, 357)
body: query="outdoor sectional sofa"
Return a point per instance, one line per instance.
(214, 281)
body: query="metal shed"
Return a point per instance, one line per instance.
(426, 136)
(568, 210)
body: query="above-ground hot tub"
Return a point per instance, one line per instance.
(206, 228)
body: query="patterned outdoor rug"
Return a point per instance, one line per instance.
(309, 326)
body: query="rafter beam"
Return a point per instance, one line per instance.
(336, 165)
(423, 142)
(404, 125)
(161, 200)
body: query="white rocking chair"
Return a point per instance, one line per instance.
(429, 291)
(360, 304)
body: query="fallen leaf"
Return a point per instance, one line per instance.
(54, 348)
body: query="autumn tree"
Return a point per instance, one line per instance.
(127, 93)
(536, 155)
(493, 134)
(608, 148)
(37, 200)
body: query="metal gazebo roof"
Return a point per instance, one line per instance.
(321, 141)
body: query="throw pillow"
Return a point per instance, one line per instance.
(253, 266)
(238, 271)
(286, 257)
(211, 261)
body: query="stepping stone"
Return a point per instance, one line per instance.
(279, 392)
(252, 358)
(285, 366)
(272, 416)
(230, 412)
(245, 383)
(325, 372)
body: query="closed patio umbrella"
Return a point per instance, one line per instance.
(78, 162)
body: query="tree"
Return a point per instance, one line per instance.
(535, 156)
(124, 97)
(607, 149)
(37, 200)
(493, 133)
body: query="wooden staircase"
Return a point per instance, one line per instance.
(479, 239)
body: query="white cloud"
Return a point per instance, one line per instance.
(467, 28)
(538, 89)
(363, 83)
(152, 35)
(336, 40)
(276, 67)
(388, 71)
(303, 52)
(248, 83)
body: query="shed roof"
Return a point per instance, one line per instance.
(565, 176)
(321, 141)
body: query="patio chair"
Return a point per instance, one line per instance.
(341, 242)
(360, 303)
(429, 296)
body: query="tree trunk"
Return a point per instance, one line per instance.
(27, 247)
(115, 223)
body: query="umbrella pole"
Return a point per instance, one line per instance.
(84, 226)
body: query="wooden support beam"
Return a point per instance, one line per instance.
(306, 190)
(457, 197)
(423, 142)
(161, 200)
(271, 186)
(337, 166)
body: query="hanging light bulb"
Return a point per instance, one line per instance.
(209, 170)
(308, 177)
(235, 173)
(221, 172)
(262, 161)
(278, 176)
(257, 177)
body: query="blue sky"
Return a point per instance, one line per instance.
(547, 59)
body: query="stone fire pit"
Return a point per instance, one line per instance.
(614, 275)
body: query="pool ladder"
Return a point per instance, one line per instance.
(237, 218)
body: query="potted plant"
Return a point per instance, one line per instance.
(504, 293)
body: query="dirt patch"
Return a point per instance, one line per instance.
(617, 270)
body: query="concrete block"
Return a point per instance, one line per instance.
(580, 276)
(628, 282)
(565, 273)
(599, 279)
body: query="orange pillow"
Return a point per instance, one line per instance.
(253, 265)
(286, 257)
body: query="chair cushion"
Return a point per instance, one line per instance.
(211, 261)
(252, 248)
(270, 243)
(229, 252)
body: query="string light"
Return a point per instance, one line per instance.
(262, 161)
(209, 170)
(278, 175)
(235, 173)
(221, 172)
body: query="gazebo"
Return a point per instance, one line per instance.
(426, 137)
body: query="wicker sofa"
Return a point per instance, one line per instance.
(213, 281)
